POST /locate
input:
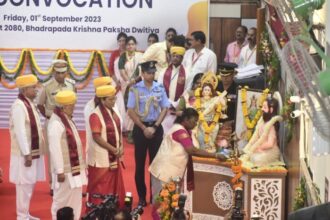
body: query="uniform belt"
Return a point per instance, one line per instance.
(149, 124)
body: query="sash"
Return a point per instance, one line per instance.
(72, 143)
(180, 84)
(110, 129)
(34, 128)
(190, 174)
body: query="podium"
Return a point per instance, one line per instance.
(212, 199)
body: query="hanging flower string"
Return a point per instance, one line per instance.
(250, 124)
(102, 65)
(34, 64)
(237, 170)
(87, 68)
(28, 57)
(20, 63)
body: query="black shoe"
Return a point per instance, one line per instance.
(142, 202)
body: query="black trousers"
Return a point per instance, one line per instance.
(142, 145)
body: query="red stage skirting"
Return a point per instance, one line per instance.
(41, 200)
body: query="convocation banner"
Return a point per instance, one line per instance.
(94, 24)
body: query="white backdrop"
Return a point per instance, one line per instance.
(69, 27)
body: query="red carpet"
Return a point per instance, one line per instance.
(41, 201)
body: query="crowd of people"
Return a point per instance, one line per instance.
(167, 101)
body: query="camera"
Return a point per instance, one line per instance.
(136, 212)
(237, 213)
(105, 210)
(179, 213)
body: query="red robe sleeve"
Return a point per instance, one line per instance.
(95, 125)
(183, 137)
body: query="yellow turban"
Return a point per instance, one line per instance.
(178, 50)
(102, 81)
(105, 91)
(26, 80)
(66, 97)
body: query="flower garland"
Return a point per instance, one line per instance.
(88, 67)
(168, 199)
(33, 63)
(271, 61)
(27, 57)
(300, 198)
(208, 128)
(250, 124)
(21, 62)
(237, 170)
(102, 65)
(19, 71)
(285, 112)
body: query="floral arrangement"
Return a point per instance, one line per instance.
(27, 59)
(300, 198)
(271, 62)
(286, 111)
(168, 199)
(251, 123)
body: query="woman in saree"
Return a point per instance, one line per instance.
(115, 74)
(128, 63)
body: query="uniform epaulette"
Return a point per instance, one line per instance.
(49, 82)
(69, 80)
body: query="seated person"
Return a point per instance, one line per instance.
(262, 149)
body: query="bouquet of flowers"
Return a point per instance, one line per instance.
(168, 200)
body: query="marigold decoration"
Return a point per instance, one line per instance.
(34, 65)
(271, 62)
(102, 65)
(285, 112)
(237, 170)
(250, 124)
(300, 198)
(207, 126)
(168, 200)
(87, 68)
(27, 56)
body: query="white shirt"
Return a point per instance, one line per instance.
(55, 131)
(19, 173)
(247, 56)
(174, 81)
(89, 108)
(204, 61)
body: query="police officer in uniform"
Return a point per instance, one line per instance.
(147, 106)
(227, 83)
(59, 82)
(46, 102)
